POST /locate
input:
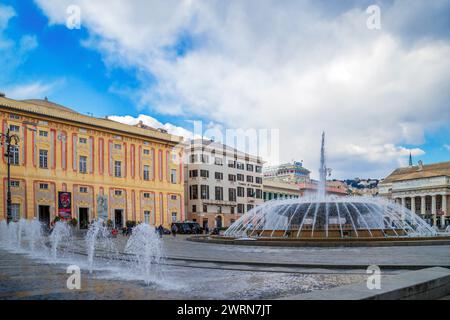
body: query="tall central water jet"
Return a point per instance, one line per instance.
(322, 171)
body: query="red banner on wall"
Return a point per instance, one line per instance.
(65, 205)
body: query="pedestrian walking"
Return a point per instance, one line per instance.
(174, 230)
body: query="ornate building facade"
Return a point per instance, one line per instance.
(424, 189)
(84, 167)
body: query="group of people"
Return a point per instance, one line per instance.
(160, 230)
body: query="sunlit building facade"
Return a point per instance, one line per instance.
(76, 166)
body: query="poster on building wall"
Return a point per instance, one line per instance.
(102, 207)
(65, 205)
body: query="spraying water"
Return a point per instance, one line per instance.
(147, 251)
(98, 237)
(322, 171)
(61, 233)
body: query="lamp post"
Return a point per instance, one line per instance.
(6, 140)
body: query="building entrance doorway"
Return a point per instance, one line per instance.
(118, 218)
(205, 224)
(219, 222)
(44, 215)
(83, 215)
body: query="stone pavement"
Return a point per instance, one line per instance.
(409, 257)
(22, 277)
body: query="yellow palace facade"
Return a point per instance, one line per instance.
(76, 166)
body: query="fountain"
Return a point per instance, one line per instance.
(145, 248)
(61, 234)
(326, 217)
(98, 237)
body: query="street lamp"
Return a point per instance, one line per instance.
(7, 140)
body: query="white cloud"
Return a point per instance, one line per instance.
(32, 90)
(154, 123)
(447, 147)
(295, 67)
(13, 52)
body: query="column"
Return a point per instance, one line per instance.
(433, 209)
(422, 206)
(413, 204)
(444, 209)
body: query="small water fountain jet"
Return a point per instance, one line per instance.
(33, 234)
(61, 233)
(98, 237)
(146, 250)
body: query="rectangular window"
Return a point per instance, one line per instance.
(43, 186)
(232, 177)
(240, 208)
(14, 116)
(174, 217)
(218, 175)
(258, 193)
(14, 128)
(204, 158)
(193, 173)
(250, 192)
(173, 176)
(193, 192)
(249, 167)
(231, 194)
(15, 212)
(14, 152)
(146, 195)
(146, 172)
(43, 159)
(83, 164)
(15, 184)
(147, 217)
(258, 169)
(204, 173)
(240, 191)
(118, 169)
(193, 158)
(205, 208)
(83, 140)
(146, 151)
(118, 146)
(240, 177)
(219, 193)
(173, 197)
(194, 208)
(231, 164)
(83, 189)
(43, 133)
(232, 212)
(240, 165)
(218, 161)
(250, 207)
(117, 193)
(204, 190)
(258, 180)
(250, 179)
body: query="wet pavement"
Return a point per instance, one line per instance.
(403, 256)
(23, 277)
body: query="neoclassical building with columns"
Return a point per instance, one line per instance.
(424, 189)
(83, 167)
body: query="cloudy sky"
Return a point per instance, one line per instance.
(299, 66)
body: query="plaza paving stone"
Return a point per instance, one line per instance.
(397, 257)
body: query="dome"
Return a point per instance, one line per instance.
(330, 217)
